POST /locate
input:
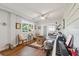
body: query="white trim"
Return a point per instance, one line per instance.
(4, 8)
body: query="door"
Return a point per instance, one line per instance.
(4, 29)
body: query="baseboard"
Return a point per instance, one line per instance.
(2, 49)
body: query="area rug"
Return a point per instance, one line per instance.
(35, 45)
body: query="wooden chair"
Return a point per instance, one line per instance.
(21, 39)
(40, 40)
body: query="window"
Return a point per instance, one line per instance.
(52, 28)
(26, 27)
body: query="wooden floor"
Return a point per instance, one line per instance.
(23, 50)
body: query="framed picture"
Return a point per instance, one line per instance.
(30, 26)
(18, 26)
(63, 23)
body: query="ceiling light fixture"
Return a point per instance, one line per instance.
(42, 17)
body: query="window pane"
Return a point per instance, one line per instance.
(24, 27)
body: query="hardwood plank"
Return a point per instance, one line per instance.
(23, 50)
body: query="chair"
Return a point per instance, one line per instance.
(40, 40)
(69, 40)
(21, 39)
(69, 43)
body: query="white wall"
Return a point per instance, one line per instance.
(14, 32)
(9, 32)
(72, 24)
(4, 29)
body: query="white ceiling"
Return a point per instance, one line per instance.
(53, 11)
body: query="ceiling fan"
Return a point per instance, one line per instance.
(45, 15)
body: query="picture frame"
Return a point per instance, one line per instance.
(18, 26)
(63, 23)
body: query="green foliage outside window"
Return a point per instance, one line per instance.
(26, 27)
